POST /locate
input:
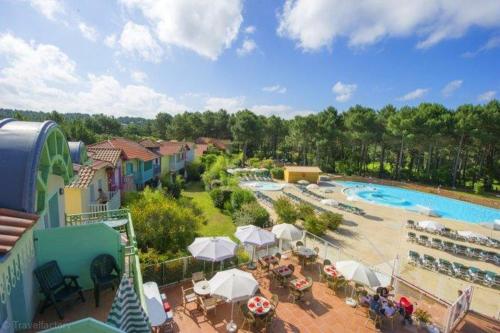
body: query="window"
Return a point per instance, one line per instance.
(148, 165)
(130, 168)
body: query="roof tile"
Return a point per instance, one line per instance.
(13, 224)
(130, 148)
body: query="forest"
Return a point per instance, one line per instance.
(428, 143)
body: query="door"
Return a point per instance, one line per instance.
(54, 211)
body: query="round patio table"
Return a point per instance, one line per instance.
(305, 251)
(259, 305)
(201, 288)
(330, 270)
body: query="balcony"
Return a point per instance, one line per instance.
(156, 169)
(74, 246)
(112, 204)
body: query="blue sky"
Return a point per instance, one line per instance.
(140, 57)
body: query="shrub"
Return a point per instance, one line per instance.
(314, 225)
(251, 213)
(194, 170)
(130, 197)
(278, 173)
(304, 210)
(173, 188)
(215, 171)
(331, 220)
(240, 197)
(285, 210)
(479, 188)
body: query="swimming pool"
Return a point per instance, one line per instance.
(420, 201)
(263, 185)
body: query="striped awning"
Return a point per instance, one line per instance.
(127, 313)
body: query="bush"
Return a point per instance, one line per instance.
(331, 220)
(285, 210)
(240, 197)
(173, 188)
(479, 188)
(194, 170)
(219, 197)
(278, 173)
(215, 171)
(130, 197)
(314, 225)
(251, 213)
(304, 210)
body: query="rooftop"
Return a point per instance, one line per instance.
(13, 224)
(297, 168)
(110, 155)
(172, 147)
(131, 149)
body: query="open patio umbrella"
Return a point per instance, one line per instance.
(126, 312)
(359, 273)
(253, 235)
(212, 248)
(303, 182)
(431, 225)
(233, 285)
(312, 187)
(471, 235)
(329, 202)
(286, 231)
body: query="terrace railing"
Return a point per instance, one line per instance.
(112, 204)
(94, 217)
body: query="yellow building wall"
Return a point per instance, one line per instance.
(293, 177)
(78, 199)
(165, 165)
(73, 200)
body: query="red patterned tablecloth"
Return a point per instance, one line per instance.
(269, 259)
(330, 270)
(300, 284)
(259, 305)
(283, 271)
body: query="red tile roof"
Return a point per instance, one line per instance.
(110, 155)
(130, 148)
(172, 147)
(200, 149)
(84, 177)
(13, 224)
(149, 143)
(221, 144)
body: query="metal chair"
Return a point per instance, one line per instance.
(56, 287)
(188, 296)
(436, 243)
(414, 258)
(412, 237)
(105, 274)
(197, 277)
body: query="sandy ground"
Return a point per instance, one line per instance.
(380, 236)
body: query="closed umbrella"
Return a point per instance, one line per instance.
(303, 182)
(212, 248)
(286, 231)
(126, 312)
(329, 202)
(312, 187)
(233, 285)
(471, 235)
(431, 225)
(253, 235)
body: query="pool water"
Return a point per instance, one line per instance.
(417, 201)
(263, 185)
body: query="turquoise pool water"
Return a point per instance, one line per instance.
(263, 185)
(414, 200)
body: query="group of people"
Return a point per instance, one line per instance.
(381, 304)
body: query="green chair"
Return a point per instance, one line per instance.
(444, 266)
(429, 262)
(56, 287)
(448, 247)
(460, 270)
(460, 249)
(414, 257)
(436, 243)
(412, 237)
(104, 273)
(423, 240)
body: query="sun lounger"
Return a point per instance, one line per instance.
(423, 240)
(476, 275)
(414, 258)
(444, 266)
(436, 243)
(410, 224)
(448, 247)
(460, 249)
(412, 237)
(429, 262)
(460, 270)
(473, 253)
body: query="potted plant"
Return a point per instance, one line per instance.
(422, 317)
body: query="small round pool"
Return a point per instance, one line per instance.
(263, 185)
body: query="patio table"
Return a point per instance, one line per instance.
(330, 270)
(202, 288)
(305, 251)
(283, 271)
(269, 259)
(259, 305)
(300, 284)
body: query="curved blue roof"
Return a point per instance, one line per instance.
(21, 143)
(75, 150)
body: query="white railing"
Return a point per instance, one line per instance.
(112, 204)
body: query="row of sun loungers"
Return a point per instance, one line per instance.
(341, 206)
(258, 178)
(455, 269)
(452, 234)
(298, 200)
(457, 249)
(266, 200)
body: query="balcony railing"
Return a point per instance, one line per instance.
(112, 204)
(156, 169)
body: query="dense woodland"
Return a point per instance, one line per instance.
(428, 143)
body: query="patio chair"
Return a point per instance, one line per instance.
(248, 317)
(197, 277)
(414, 258)
(473, 253)
(444, 266)
(460, 270)
(491, 279)
(448, 247)
(475, 274)
(275, 300)
(460, 249)
(277, 255)
(429, 262)
(188, 296)
(436, 243)
(291, 267)
(338, 283)
(295, 295)
(299, 243)
(412, 237)
(56, 287)
(423, 240)
(208, 304)
(375, 317)
(391, 319)
(105, 274)
(410, 224)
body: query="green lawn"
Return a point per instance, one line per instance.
(218, 224)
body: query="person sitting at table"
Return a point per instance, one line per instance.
(375, 305)
(388, 309)
(383, 292)
(364, 298)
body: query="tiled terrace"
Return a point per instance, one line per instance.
(320, 311)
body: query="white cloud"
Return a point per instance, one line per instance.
(110, 41)
(88, 32)
(317, 23)
(415, 94)
(138, 76)
(451, 87)
(247, 47)
(492, 43)
(136, 39)
(42, 77)
(275, 89)
(343, 91)
(206, 27)
(49, 8)
(231, 104)
(281, 110)
(487, 96)
(250, 29)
